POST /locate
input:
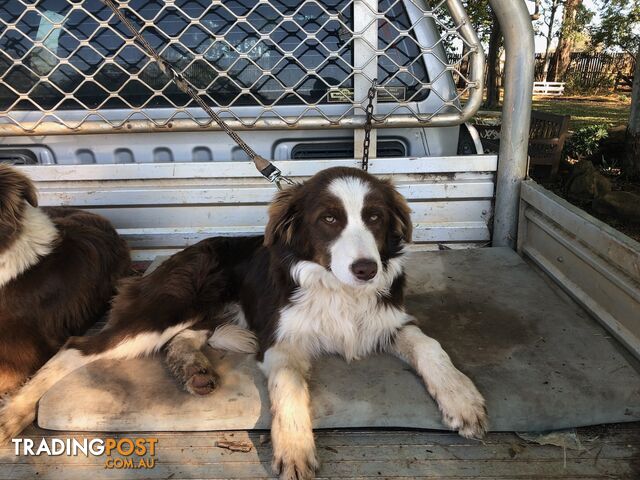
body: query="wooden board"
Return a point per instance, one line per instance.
(610, 452)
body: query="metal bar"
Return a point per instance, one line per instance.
(184, 125)
(517, 29)
(229, 170)
(476, 59)
(402, 113)
(365, 64)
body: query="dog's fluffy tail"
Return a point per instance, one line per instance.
(234, 338)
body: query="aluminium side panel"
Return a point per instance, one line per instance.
(160, 208)
(595, 264)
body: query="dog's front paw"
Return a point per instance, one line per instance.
(294, 453)
(462, 406)
(295, 465)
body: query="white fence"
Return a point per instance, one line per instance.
(548, 88)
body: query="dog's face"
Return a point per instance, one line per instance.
(15, 191)
(344, 219)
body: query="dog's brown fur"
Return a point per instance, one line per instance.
(64, 293)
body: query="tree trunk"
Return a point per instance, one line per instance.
(493, 65)
(547, 55)
(631, 163)
(565, 42)
(464, 67)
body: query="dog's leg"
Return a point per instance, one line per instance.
(113, 343)
(10, 380)
(186, 360)
(188, 364)
(462, 406)
(294, 452)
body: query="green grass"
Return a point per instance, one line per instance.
(610, 110)
(586, 111)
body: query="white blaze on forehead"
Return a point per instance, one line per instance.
(356, 241)
(352, 191)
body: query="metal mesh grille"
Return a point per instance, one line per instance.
(67, 65)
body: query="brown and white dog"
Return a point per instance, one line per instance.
(58, 270)
(327, 278)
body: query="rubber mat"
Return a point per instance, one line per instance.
(541, 362)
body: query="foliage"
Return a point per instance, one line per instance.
(576, 83)
(480, 14)
(574, 28)
(584, 16)
(619, 25)
(585, 141)
(544, 25)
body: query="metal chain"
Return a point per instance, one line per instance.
(368, 124)
(264, 166)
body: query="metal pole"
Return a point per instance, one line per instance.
(515, 22)
(365, 60)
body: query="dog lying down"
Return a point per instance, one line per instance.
(58, 271)
(326, 278)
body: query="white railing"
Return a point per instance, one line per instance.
(548, 88)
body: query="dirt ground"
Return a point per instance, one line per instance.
(617, 184)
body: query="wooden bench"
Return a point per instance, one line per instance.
(624, 82)
(547, 135)
(548, 88)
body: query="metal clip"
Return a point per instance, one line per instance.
(278, 179)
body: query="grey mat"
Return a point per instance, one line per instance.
(540, 361)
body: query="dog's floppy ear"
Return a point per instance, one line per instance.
(282, 217)
(14, 182)
(29, 193)
(401, 213)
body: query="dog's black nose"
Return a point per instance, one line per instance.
(364, 269)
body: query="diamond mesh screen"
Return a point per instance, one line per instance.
(69, 64)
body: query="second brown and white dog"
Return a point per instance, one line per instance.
(58, 271)
(327, 278)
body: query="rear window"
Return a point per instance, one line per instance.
(61, 56)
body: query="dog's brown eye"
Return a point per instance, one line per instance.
(329, 219)
(374, 217)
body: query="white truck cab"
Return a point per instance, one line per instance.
(69, 63)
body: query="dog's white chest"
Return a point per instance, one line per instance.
(341, 321)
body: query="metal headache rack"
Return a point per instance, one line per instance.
(71, 65)
(70, 71)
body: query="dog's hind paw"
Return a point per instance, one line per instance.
(12, 424)
(200, 380)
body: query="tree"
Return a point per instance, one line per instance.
(489, 33)
(548, 28)
(575, 18)
(488, 29)
(493, 65)
(480, 16)
(565, 41)
(619, 29)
